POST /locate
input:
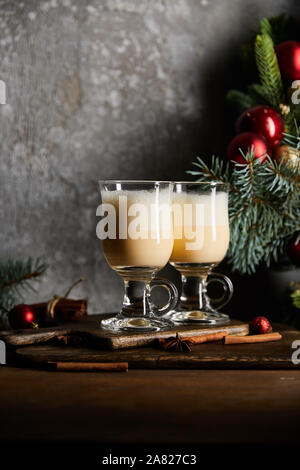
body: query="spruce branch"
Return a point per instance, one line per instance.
(268, 69)
(257, 93)
(264, 199)
(218, 171)
(266, 28)
(293, 140)
(264, 208)
(14, 274)
(240, 100)
(270, 90)
(15, 277)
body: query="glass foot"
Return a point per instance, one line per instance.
(197, 316)
(136, 324)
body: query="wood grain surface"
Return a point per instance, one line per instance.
(274, 355)
(88, 332)
(147, 407)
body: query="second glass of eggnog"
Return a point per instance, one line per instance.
(201, 239)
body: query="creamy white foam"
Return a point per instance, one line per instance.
(215, 206)
(159, 196)
(146, 211)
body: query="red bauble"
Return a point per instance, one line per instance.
(288, 55)
(245, 142)
(22, 316)
(264, 121)
(260, 325)
(293, 249)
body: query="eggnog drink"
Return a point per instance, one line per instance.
(206, 240)
(144, 236)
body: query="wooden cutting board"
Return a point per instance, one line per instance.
(88, 332)
(275, 355)
(85, 341)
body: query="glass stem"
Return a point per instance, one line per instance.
(135, 303)
(194, 296)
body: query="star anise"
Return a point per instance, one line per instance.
(176, 344)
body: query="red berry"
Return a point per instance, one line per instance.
(260, 325)
(246, 141)
(288, 56)
(264, 121)
(21, 316)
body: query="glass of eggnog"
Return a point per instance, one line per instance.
(137, 240)
(201, 239)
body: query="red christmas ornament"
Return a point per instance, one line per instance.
(264, 121)
(293, 249)
(288, 56)
(22, 316)
(245, 142)
(260, 325)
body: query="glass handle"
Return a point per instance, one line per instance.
(227, 289)
(173, 296)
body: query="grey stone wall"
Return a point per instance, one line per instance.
(106, 89)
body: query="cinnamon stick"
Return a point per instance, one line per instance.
(206, 338)
(252, 338)
(91, 366)
(65, 309)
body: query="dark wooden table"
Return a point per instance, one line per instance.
(154, 407)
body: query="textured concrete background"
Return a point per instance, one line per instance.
(106, 89)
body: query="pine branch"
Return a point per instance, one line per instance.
(16, 273)
(293, 140)
(264, 208)
(219, 171)
(16, 276)
(257, 93)
(270, 91)
(240, 100)
(281, 177)
(264, 199)
(266, 28)
(268, 69)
